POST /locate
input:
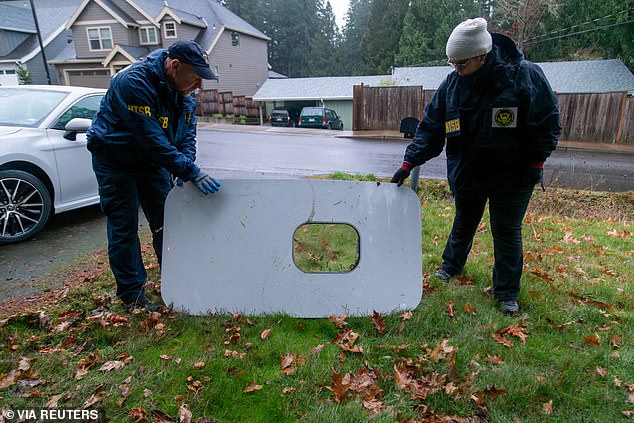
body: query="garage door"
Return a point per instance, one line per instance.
(89, 78)
(8, 77)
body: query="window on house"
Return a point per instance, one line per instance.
(100, 38)
(147, 34)
(170, 29)
(235, 39)
(10, 71)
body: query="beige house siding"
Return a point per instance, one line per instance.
(241, 69)
(94, 16)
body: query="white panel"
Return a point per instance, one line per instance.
(232, 251)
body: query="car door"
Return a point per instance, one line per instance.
(78, 184)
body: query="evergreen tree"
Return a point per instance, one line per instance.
(427, 26)
(381, 41)
(353, 34)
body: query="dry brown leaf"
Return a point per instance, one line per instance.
(515, 330)
(340, 385)
(502, 340)
(54, 401)
(165, 357)
(138, 415)
(94, 399)
(467, 308)
(160, 417)
(617, 341)
(628, 413)
(548, 407)
(339, 321)
(184, 415)
(199, 364)
(112, 365)
(265, 334)
(287, 364)
(593, 340)
(495, 359)
(253, 386)
(449, 311)
(316, 349)
(407, 315)
(287, 389)
(378, 322)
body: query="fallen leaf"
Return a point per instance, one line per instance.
(138, 414)
(54, 401)
(94, 399)
(449, 311)
(165, 357)
(407, 315)
(199, 364)
(496, 359)
(112, 365)
(548, 407)
(502, 340)
(628, 413)
(617, 382)
(593, 340)
(265, 334)
(316, 349)
(467, 308)
(340, 384)
(617, 341)
(601, 371)
(339, 321)
(288, 364)
(287, 389)
(378, 322)
(184, 415)
(253, 386)
(160, 417)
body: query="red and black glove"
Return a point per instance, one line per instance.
(402, 173)
(534, 174)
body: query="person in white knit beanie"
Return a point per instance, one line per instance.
(469, 39)
(497, 119)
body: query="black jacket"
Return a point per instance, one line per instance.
(143, 116)
(496, 123)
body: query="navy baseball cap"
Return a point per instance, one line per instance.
(190, 52)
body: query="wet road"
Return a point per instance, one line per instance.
(263, 152)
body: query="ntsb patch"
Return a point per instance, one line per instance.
(504, 117)
(452, 127)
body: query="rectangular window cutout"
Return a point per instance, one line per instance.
(326, 248)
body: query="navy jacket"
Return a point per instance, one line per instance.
(143, 116)
(496, 123)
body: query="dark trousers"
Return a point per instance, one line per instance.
(124, 185)
(506, 212)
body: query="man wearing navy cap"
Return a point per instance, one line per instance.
(143, 134)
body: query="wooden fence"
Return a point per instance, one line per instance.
(212, 102)
(593, 118)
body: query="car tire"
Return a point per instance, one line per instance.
(25, 206)
(330, 126)
(341, 129)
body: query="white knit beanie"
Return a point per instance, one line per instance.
(469, 39)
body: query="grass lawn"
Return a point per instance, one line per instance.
(567, 357)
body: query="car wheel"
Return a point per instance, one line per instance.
(341, 129)
(330, 126)
(25, 206)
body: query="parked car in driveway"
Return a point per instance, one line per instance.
(45, 167)
(319, 117)
(283, 117)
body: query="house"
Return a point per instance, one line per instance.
(108, 35)
(589, 76)
(19, 46)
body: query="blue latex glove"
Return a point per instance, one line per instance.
(179, 182)
(205, 183)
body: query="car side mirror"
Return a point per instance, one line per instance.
(75, 126)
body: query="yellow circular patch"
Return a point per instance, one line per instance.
(504, 117)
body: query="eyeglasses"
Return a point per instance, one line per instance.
(459, 65)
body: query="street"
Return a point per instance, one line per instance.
(264, 152)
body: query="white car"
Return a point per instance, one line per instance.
(45, 167)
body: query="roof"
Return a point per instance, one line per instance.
(211, 13)
(588, 76)
(51, 17)
(13, 17)
(325, 88)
